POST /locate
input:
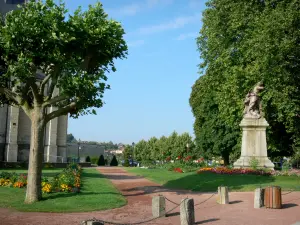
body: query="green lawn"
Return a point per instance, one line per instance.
(97, 193)
(208, 182)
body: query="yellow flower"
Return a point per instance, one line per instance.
(47, 188)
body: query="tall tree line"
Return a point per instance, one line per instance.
(164, 148)
(242, 43)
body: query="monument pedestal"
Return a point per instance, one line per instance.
(254, 144)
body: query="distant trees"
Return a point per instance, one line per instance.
(87, 159)
(71, 138)
(101, 161)
(114, 161)
(126, 154)
(165, 148)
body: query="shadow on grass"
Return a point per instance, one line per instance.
(205, 182)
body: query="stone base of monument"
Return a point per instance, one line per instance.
(254, 144)
(245, 162)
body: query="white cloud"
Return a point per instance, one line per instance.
(134, 8)
(178, 22)
(195, 3)
(128, 10)
(136, 43)
(182, 37)
(153, 3)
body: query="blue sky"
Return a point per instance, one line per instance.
(150, 91)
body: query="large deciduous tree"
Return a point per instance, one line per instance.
(241, 43)
(52, 65)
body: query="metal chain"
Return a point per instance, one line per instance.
(288, 193)
(171, 201)
(137, 223)
(206, 199)
(152, 219)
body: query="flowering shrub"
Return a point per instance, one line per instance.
(290, 172)
(68, 180)
(178, 170)
(224, 170)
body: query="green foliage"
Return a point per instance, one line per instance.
(101, 161)
(166, 147)
(87, 159)
(286, 166)
(254, 162)
(114, 161)
(71, 138)
(126, 155)
(94, 160)
(241, 43)
(74, 55)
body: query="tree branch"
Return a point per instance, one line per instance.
(34, 89)
(61, 111)
(43, 84)
(47, 79)
(51, 88)
(12, 96)
(86, 62)
(55, 100)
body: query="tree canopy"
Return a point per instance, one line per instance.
(74, 55)
(241, 43)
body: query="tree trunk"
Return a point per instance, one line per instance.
(226, 159)
(36, 155)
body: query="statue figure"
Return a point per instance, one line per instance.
(252, 102)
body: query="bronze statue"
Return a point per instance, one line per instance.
(252, 102)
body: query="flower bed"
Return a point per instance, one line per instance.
(224, 170)
(291, 172)
(13, 180)
(178, 170)
(69, 180)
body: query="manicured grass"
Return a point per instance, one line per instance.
(97, 193)
(208, 182)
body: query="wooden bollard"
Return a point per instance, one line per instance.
(259, 198)
(158, 206)
(223, 195)
(273, 197)
(187, 212)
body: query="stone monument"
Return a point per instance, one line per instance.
(254, 143)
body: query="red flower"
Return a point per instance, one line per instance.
(179, 157)
(178, 170)
(188, 158)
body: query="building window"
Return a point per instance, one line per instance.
(14, 1)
